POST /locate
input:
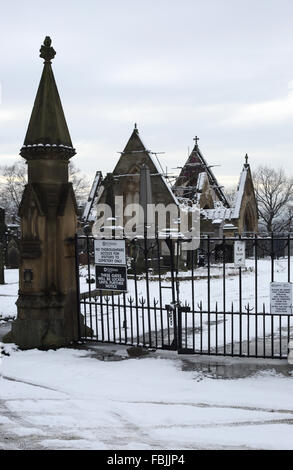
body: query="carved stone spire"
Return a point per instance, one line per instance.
(47, 305)
(47, 134)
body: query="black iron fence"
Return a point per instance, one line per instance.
(194, 301)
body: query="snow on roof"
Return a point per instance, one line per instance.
(240, 192)
(202, 177)
(217, 188)
(93, 212)
(219, 213)
(222, 212)
(89, 204)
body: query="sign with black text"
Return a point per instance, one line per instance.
(111, 269)
(281, 298)
(110, 252)
(239, 254)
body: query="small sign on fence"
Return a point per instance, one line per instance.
(111, 269)
(110, 252)
(111, 278)
(281, 298)
(239, 254)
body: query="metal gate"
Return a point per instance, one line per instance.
(145, 316)
(195, 302)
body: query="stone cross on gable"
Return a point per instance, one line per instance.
(196, 139)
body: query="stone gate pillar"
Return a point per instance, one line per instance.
(47, 303)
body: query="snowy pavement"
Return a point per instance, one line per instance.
(72, 399)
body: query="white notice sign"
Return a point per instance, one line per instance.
(110, 252)
(281, 298)
(239, 254)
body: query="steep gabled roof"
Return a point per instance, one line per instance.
(187, 181)
(135, 143)
(245, 179)
(136, 150)
(128, 168)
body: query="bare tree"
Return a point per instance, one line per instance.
(274, 194)
(231, 193)
(13, 178)
(80, 183)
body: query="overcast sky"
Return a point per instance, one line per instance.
(219, 69)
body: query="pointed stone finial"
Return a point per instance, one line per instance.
(47, 52)
(135, 126)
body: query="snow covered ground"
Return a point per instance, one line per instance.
(85, 399)
(71, 399)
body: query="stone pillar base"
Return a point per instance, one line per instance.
(41, 334)
(44, 322)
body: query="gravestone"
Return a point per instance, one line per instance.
(12, 254)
